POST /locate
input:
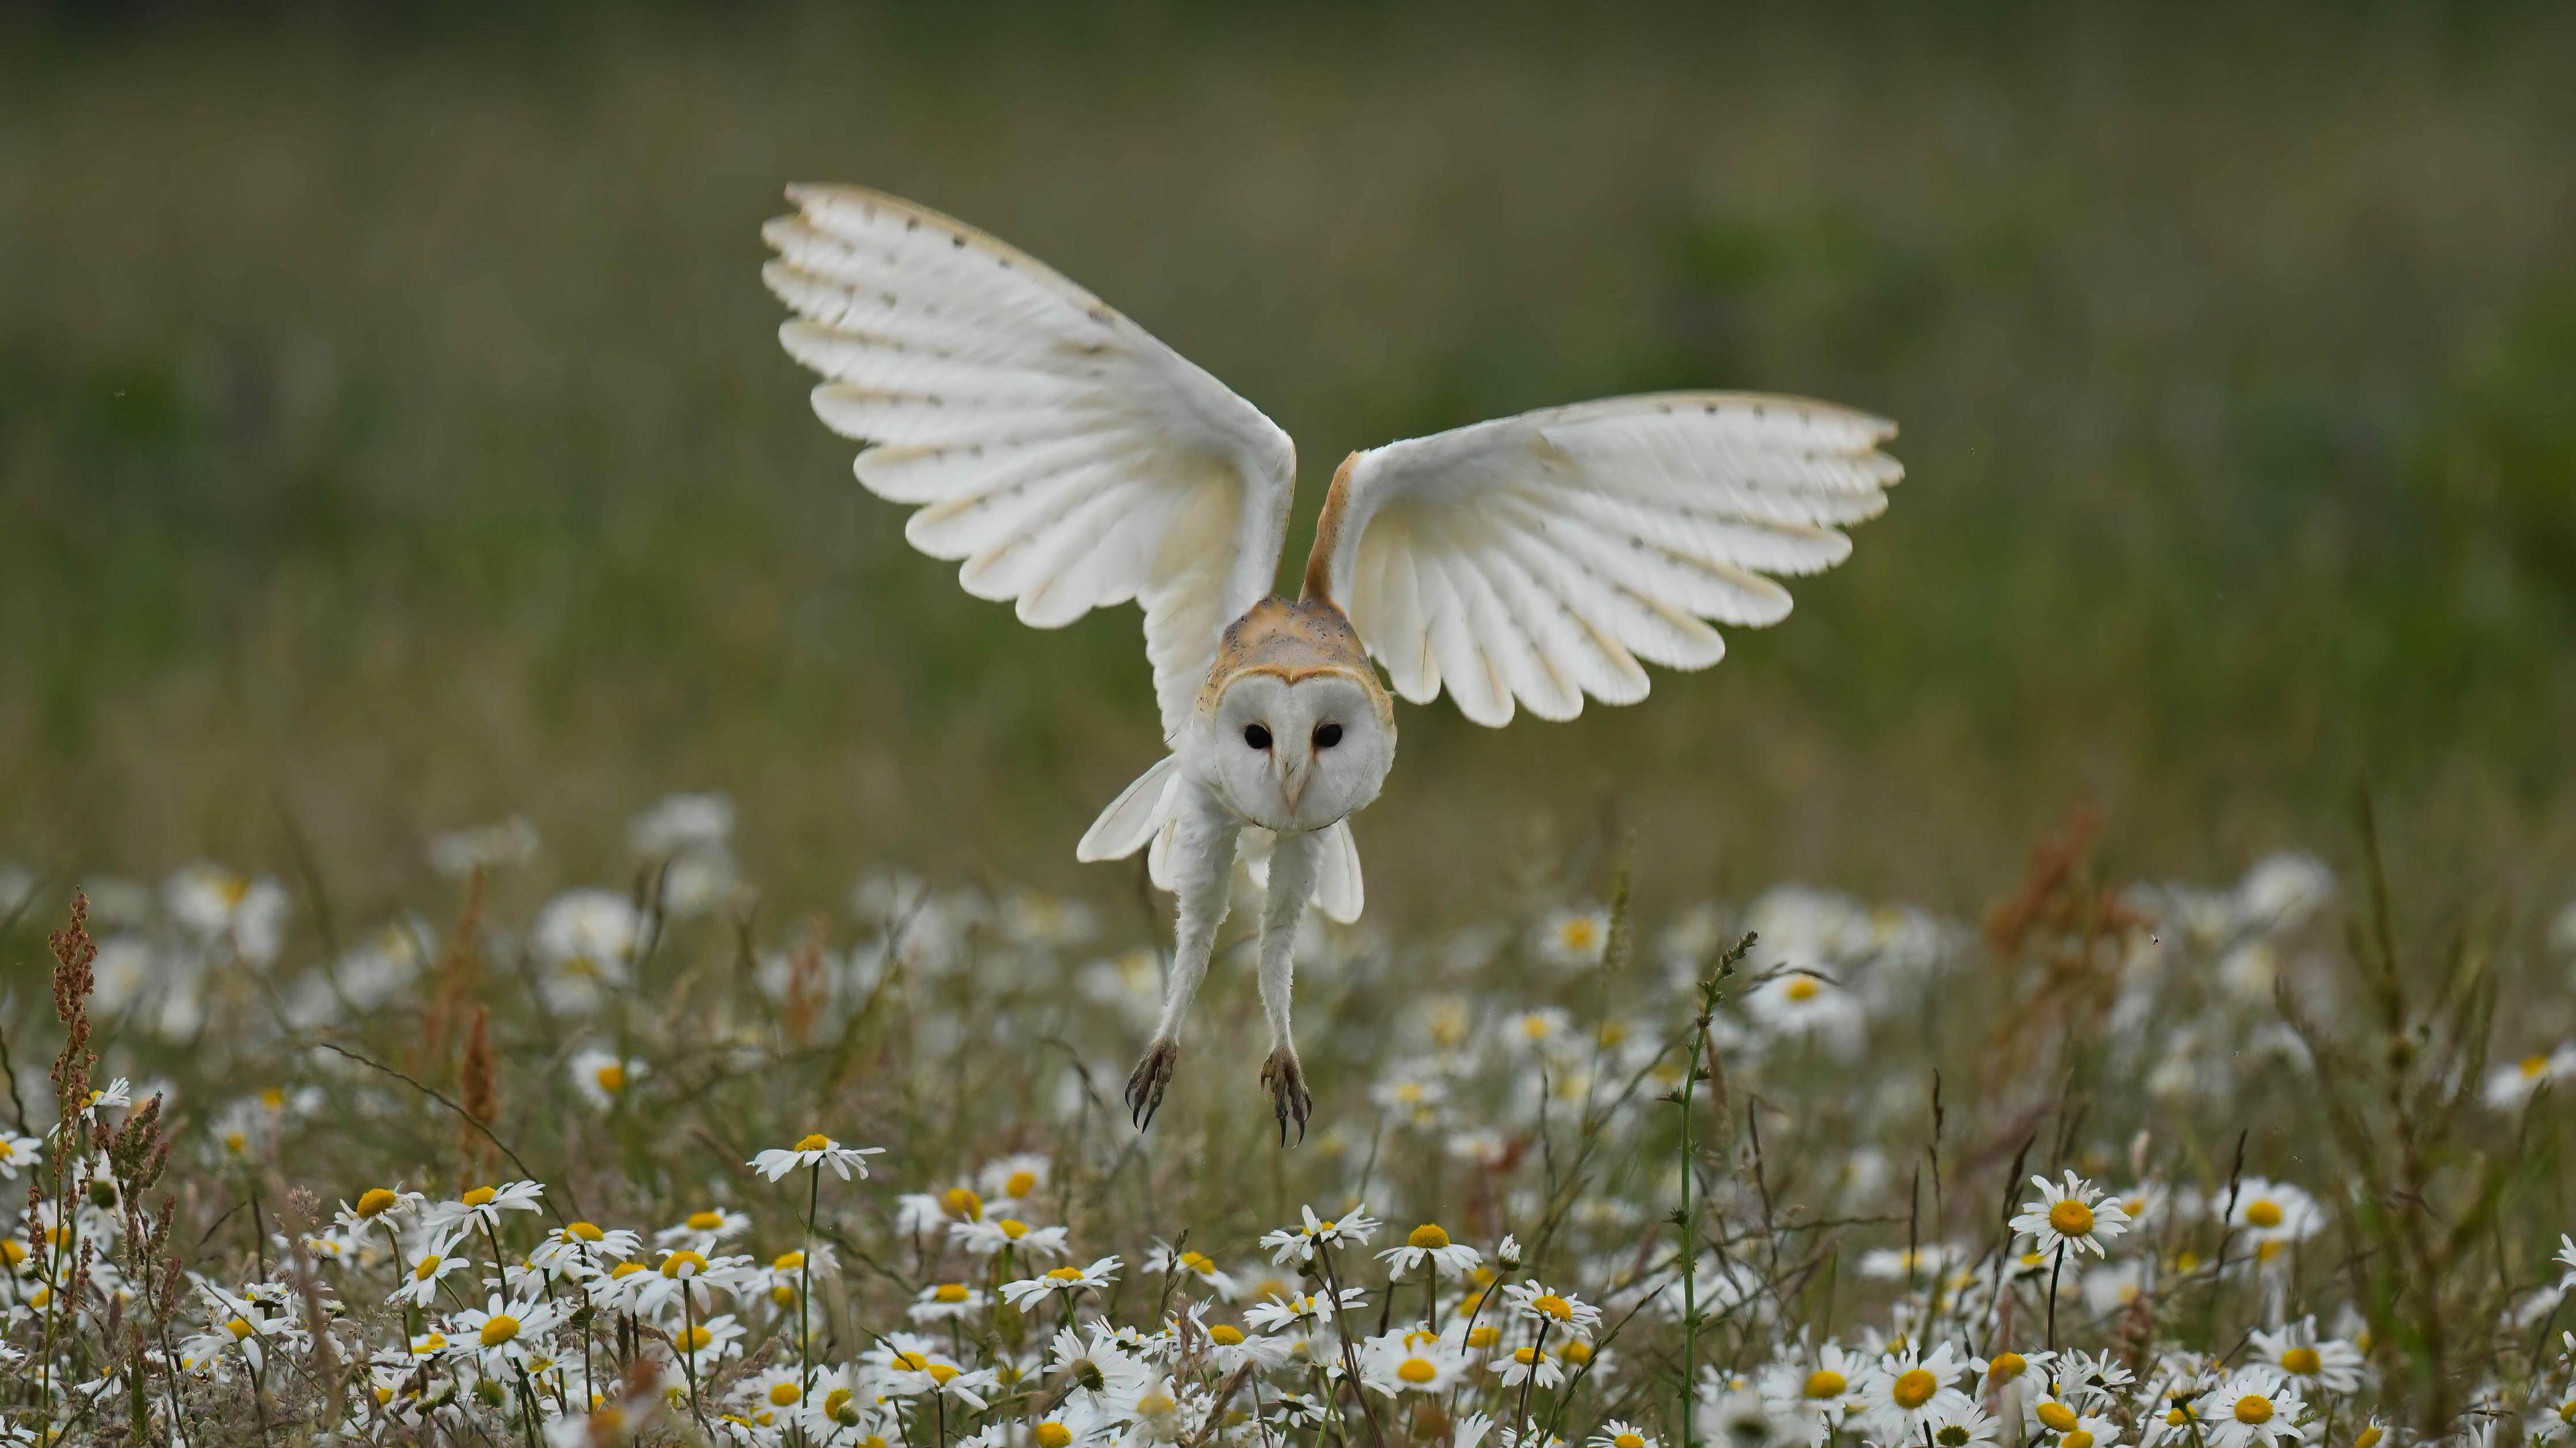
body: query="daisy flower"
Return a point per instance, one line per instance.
(2306, 1361)
(428, 1268)
(1553, 1310)
(1573, 939)
(996, 1234)
(483, 1206)
(1277, 1313)
(384, 1205)
(1014, 1178)
(1162, 1259)
(2252, 1408)
(815, 1151)
(703, 1229)
(945, 1301)
(17, 1153)
(2273, 1211)
(2074, 1214)
(1411, 1361)
(1297, 1244)
(1960, 1424)
(1812, 1402)
(1527, 1362)
(688, 1271)
(582, 1248)
(1904, 1391)
(1067, 1280)
(1619, 1433)
(504, 1332)
(603, 1076)
(1230, 1348)
(1429, 1243)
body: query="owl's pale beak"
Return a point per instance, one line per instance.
(1292, 777)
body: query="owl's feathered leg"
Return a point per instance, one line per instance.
(1202, 859)
(1295, 862)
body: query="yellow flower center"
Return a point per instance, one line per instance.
(2071, 1218)
(1225, 1335)
(682, 1263)
(499, 1328)
(964, 1204)
(949, 1292)
(2077, 1439)
(2266, 1251)
(1015, 1229)
(816, 1142)
(705, 1221)
(1629, 1440)
(239, 1327)
(2253, 1409)
(1550, 1305)
(2006, 1366)
(1054, 1435)
(429, 1344)
(479, 1196)
(787, 1261)
(691, 1339)
(428, 1266)
(2369, 1437)
(1913, 1388)
(1483, 1336)
(784, 1395)
(583, 1232)
(1065, 1274)
(1155, 1405)
(1576, 1353)
(1416, 1370)
(1020, 1184)
(2263, 1212)
(2056, 1415)
(624, 1269)
(1197, 1262)
(1579, 933)
(1524, 1355)
(373, 1202)
(1427, 1236)
(911, 1362)
(783, 1294)
(2302, 1360)
(942, 1372)
(1802, 988)
(2533, 1066)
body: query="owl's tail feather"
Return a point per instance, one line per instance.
(1338, 891)
(1138, 814)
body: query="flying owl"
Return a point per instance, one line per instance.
(1072, 462)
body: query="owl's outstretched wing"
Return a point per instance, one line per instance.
(1066, 456)
(1536, 559)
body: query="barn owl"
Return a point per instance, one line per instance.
(1072, 461)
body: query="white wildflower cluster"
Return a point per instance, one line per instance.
(2106, 1170)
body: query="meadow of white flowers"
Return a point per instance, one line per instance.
(2163, 1165)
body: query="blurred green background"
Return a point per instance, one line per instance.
(393, 435)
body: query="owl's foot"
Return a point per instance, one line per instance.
(1287, 1082)
(1145, 1084)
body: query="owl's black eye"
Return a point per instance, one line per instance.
(1328, 736)
(1256, 736)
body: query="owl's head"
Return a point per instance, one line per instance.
(1293, 728)
(1298, 753)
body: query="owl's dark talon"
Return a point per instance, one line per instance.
(1288, 1096)
(1145, 1085)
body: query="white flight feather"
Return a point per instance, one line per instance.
(1532, 561)
(1061, 453)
